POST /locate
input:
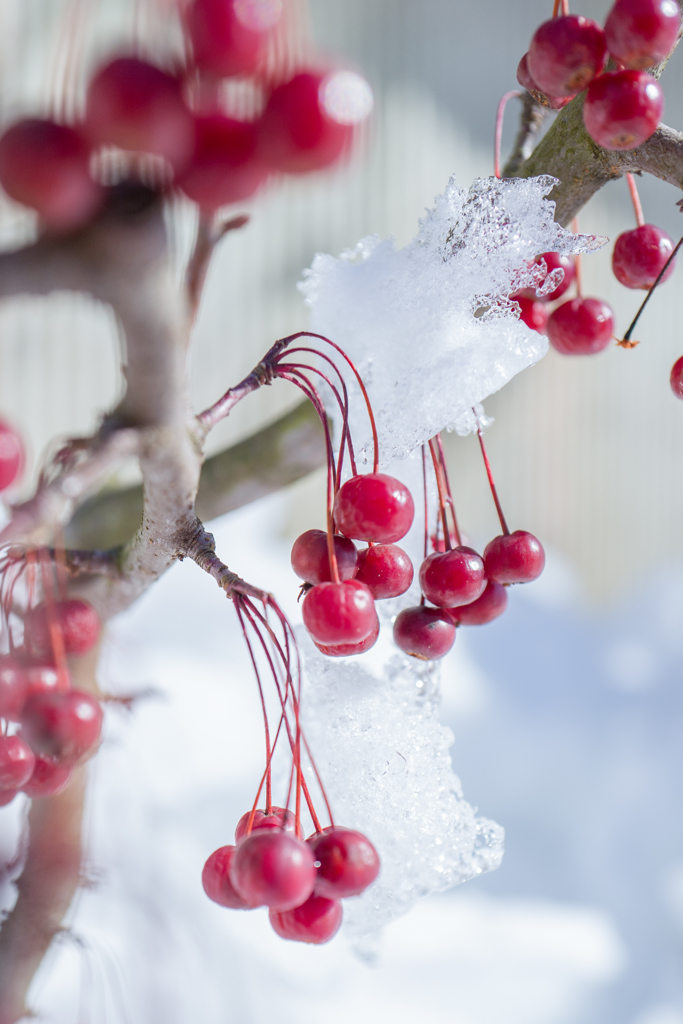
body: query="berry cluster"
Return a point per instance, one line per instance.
(48, 726)
(174, 119)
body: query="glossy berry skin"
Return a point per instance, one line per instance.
(374, 507)
(347, 650)
(532, 312)
(316, 921)
(386, 569)
(49, 778)
(17, 762)
(516, 557)
(310, 559)
(228, 36)
(46, 166)
(526, 80)
(43, 677)
(339, 613)
(349, 863)
(12, 456)
(279, 818)
(216, 880)
(640, 33)
(566, 53)
(12, 688)
(139, 107)
(640, 254)
(485, 609)
(623, 109)
(453, 577)
(424, 633)
(581, 327)
(676, 378)
(296, 133)
(274, 869)
(224, 167)
(77, 621)
(63, 726)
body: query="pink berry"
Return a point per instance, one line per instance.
(139, 107)
(514, 558)
(555, 261)
(676, 378)
(453, 577)
(525, 79)
(17, 762)
(47, 166)
(374, 507)
(566, 53)
(279, 818)
(224, 167)
(299, 131)
(532, 312)
(12, 457)
(228, 37)
(486, 608)
(274, 869)
(339, 613)
(77, 621)
(347, 650)
(580, 327)
(425, 633)
(316, 921)
(623, 109)
(386, 570)
(640, 254)
(348, 862)
(310, 559)
(640, 33)
(49, 778)
(216, 880)
(44, 677)
(63, 726)
(12, 688)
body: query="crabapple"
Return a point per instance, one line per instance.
(640, 33)
(77, 621)
(339, 613)
(622, 109)
(526, 80)
(310, 559)
(49, 778)
(273, 868)
(386, 569)
(532, 312)
(316, 921)
(17, 762)
(566, 53)
(580, 327)
(224, 167)
(43, 677)
(640, 254)
(11, 455)
(425, 633)
(347, 650)
(228, 36)
(64, 726)
(453, 577)
(676, 378)
(516, 557)
(555, 261)
(279, 818)
(374, 507)
(486, 608)
(348, 862)
(216, 880)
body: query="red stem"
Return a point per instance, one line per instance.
(442, 496)
(494, 492)
(498, 137)
(635, 199)
(451, 503)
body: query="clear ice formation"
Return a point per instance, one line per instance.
(431, 327)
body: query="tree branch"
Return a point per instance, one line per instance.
(530, 123)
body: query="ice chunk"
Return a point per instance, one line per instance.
(431, 327)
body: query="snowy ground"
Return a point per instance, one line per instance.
(567, 732)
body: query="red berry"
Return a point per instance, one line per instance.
(640, 254)
(309, 121)
(228, 36)
(11, 455)
(310, 560)
(566, 53)
(317, 920)
(453, 577)
(49, 778)
(676, 378)
(139, 107)
(43, 677)
(279, 818)
(273, 868)
(526, 80)
(77, 621)
(486, 608)
(7, 796)
(47, 166)
(425, 633)
(580, 327)
(339, 613)
(640, 33)
(17, 762)
(64, 726)
(623, 109)
(224, 167)
(349, 863)
(374, 507)
(532, 312)
(347, 650)
(386, 570)
(12, 688)
(514, 558)
(555, 261)
(216, 880)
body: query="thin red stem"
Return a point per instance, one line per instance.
(635, 199)
(443, 499)
(451, 503)
(498, 137)
(494, 492)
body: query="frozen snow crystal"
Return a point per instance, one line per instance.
(431, 327)
(384, 757)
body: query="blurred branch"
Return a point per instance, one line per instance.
(530, 123)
